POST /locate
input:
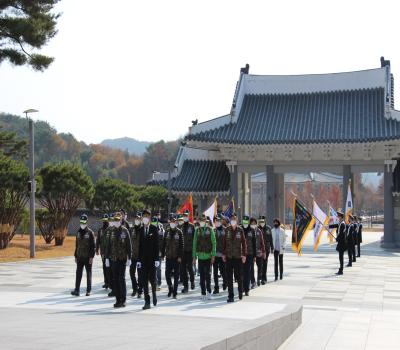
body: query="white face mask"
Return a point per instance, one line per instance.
(233, 223)
(218, 224)
(117, 224)
(262, 224)
(185, 219)
(202, 223)
(253, 226)
(83, 226)
(137, 222)
(172, 225)
(146, 221)
(245, 225)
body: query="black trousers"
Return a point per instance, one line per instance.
(264, 268)
(80, 263)
(234, 269)
(136, 281)
(341, 260)
(247, 272)
(118, 268)
(172, 270)
(219, 267)
(106, 273)
(148, 274)
(187, 269)
(351, 252)
(205, 276)
(158, 274)
(278, 257)
(358, 249)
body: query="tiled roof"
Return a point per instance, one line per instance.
(209, 176)
(320, 117)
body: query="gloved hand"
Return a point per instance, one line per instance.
(107, 262)
(157, 264)
(128, 263)
(138, 265)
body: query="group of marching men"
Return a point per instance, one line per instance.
(348, 237)
(223, 245)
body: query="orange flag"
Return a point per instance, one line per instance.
(188, 205)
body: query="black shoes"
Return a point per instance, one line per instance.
(340, 272)
(246, 294)
(169, 292)
(258, 283)
(139, 295)
(134, 293)
(184, 290)
(88, 294)
(216, 291)
(146, 306)
(117, 305)
(111, 294)
(230, 300)
(240, 296)
(174, 296)
(105, 286)
(263, 282)
(224, 286)
(349, 265)
(75, 293)
(192, 286)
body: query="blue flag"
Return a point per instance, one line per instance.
(229, 210)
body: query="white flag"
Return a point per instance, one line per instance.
(321, 219)
(211, 211)
(349, 205)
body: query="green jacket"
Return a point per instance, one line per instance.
(204, 237)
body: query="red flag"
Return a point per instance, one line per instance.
(188, 205)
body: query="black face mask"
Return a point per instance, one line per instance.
(276, 225)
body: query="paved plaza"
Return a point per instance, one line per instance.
(359, 310)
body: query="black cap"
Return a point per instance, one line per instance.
(261, 217)
(146, 212)
(245, 218)
(154, 219)
(172, 217)
(186, 212)
(339, 213)
(105, 217)
(83, 217)
(138, 214)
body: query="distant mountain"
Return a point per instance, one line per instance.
(126, 143)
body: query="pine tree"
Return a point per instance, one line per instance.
(25, 27)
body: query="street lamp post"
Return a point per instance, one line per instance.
(32, 184)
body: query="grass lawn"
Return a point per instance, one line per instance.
(18, 249)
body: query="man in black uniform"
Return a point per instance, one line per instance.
(250, 258)
(268, 243)
(160, 229)
(136, 282)
(341, 246)
(172, 250)
(219, 265)
(84, 254)
(149, 258)
(187, 260)
(234, 255)
(118, 255)
(351, 244)
(103, 236)
(359, 235)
